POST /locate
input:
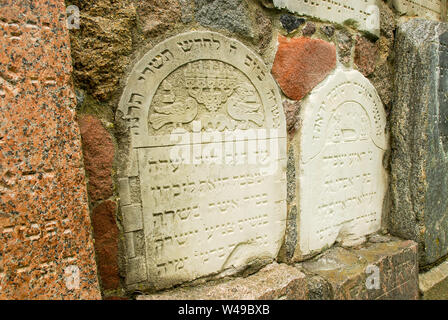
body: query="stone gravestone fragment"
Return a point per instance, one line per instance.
(46, 249)
(342, 182)
(365, 14)
(419, 158)
(203, 189)
(428, 9)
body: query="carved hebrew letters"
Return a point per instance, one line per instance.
(429, 9)
(365, 13)
(208, 148)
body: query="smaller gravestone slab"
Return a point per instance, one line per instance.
(342, 181)
(365, 13)
(428, 9)
(419, 158)
(207, 158)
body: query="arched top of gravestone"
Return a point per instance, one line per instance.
(199, 76)
(337, 90)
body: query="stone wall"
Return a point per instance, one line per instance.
(340, 197)
(308, 50)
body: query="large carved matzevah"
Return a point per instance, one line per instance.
(203, 190)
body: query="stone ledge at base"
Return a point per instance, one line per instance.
(339, 273)
(384, 268)
(275, 281)
(434, 283)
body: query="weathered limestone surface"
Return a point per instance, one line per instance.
(46, 249)
(434, 283)
(273, 282)
(341, 179)
(419, 163)
(364, 13)
(202, 182)
(428, 9)
(351, 272)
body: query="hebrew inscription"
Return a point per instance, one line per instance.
(365, 13)
(429, 9)
(208, 144)
(342, 182)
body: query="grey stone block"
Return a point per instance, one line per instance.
(419, 127)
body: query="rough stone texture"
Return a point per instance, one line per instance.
(45, 234)
(290, 243)
(106, 243)
(291, 176)
(434, 283)
(267, 3)
(301, 63)
(387, 20)
(419, 163)
(100, 48)
(232, 15)
(344, 46)
(365, 55)
(444, 11)
(264, 30)
(292, 110)
(290, 22)
(273, 282)
(328, 30)
(309, 29)
(383, 76)
(98, 149)
(158, 16)
(346, 270)
(187, 10)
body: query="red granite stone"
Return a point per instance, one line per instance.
(46, 247)
(116, 298)
(98, 149)
(302, 63)
(365, 55)
(106, 243)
